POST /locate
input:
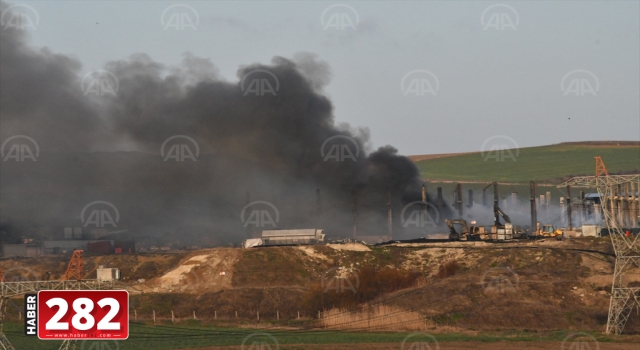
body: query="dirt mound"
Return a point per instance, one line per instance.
(203, 271)
(536, 286)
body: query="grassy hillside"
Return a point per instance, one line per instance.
(530, 291)
(547, 163)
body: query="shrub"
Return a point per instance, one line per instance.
(448, 269)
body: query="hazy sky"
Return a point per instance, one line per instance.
(423, 76)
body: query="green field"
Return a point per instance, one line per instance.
(543, 164)
(194, 335)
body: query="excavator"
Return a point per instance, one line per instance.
(506, 231)
(467, 232)
(500, 232)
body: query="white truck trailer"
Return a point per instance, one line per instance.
(286, 237)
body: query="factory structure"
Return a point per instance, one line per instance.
(573, 214)
(63, 240)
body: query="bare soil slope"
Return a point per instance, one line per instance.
(477, 286)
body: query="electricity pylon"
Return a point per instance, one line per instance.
(627, 248)
(75, 269)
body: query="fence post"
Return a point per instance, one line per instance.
(135, 315)
(258, 312)
(215, 315)
(194, 315)
(154, 316)
(173, 319)
(298, 314)
(277, 315)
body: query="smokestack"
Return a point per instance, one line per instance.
(547, 201)
(470, 198)
(459, 199)
(440, 200)
(534, 213)
(484, 197)
(583, 208)
(569, 209)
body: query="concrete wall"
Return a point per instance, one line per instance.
(9, 250)
(68, 245)
(108, 274)
(591, 230)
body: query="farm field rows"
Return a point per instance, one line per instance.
(546, 164)
(193, 335)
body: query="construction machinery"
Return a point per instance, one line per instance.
(548, 230)
(467, 232)
(499, 231)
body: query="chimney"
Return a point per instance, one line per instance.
(532, 198)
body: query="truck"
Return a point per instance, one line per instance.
(286, 237)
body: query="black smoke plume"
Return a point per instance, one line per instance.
(252, 147)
